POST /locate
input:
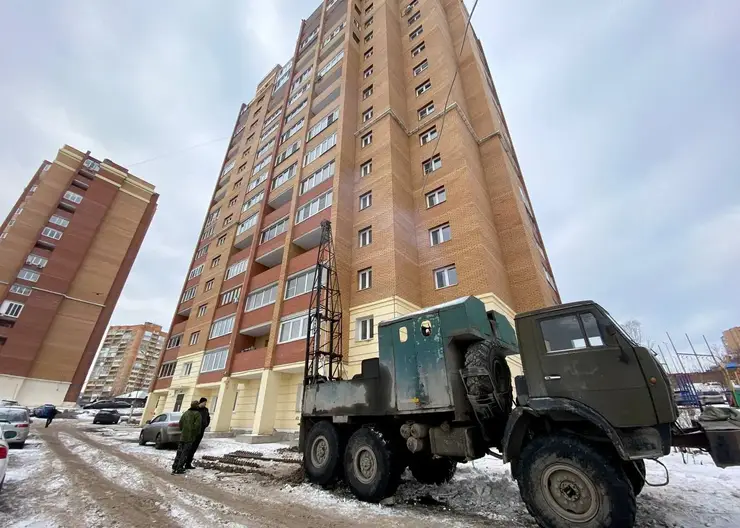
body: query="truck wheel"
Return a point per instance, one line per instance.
(635, 471)
(370, 465)
(565, 482)
(428, 470)
(483, 354)
(322, 454)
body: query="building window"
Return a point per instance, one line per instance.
(215, 360)
(257, 198)
(549, 277)
(285, 136)
(59, 220)
(20, 289)
(418, 49)
(242, 168)
(209, 285)
(423, 87)
(423, 65)
(416, 16)
(238, 183)
(366, 200)
(247, 224)
(322, 125)
(228, 220)
(364, 328)
(369, 8)
(221, 240)
(440, 234)
(233, 201)
(260, 298)
(231, 296)
(178, 402)
(320, 149)
(368, 37)
(365, 279)
(274, 230)
(222, 327)
(73, 197)
(228, 167)
(368, 22)
(195, 272)
(36, 260)
(29, 275)
(261, 165)
(366, 168)
(194, 337)
(189, 293)
(426, 110)
(202, 310)
(367, 115)
(329, 65)
(187, 368)
(445, 277)
(284, 176)
(201, 252)
(321, 175)
(11, 309)
(368, 53)
(174, 341)
(428, 135)
(313, 207)
(367, 92)
(365, 236)
(367, 139)
(302, 283)
(293, 329)
(52, 233)
(215, 261)
(235, 269)
(436, 197)
(297, 110)
(167, 370)
(334, 33)
(432, 164)
(415, 33)
(368, 72)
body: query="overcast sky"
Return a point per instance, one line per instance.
(625, 116)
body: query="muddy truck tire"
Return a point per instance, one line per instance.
(322, 457)
(428, 470)
(566, 483)
(635, 471)
(371, 465)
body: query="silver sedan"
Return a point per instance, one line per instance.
(164, 429)
(16, 425)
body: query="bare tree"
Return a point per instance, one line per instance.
(633, 327)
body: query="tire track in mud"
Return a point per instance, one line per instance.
(122, 507)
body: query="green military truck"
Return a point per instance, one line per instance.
(590, 406)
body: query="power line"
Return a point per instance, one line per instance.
(178, 151)
(447, 99)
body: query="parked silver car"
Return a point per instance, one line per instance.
(162, 430)
(3, 457)
(16, 425)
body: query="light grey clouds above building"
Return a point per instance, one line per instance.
(624, 116)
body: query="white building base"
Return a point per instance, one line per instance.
(32, 392)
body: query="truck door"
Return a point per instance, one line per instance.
(581, 362)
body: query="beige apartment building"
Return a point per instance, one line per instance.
(66, 249)
(126, 362)
(731, 340)
(350, 129)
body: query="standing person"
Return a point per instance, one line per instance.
(205, 418)
(189, 431)
(51, 414)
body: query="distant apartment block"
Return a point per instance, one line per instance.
(731, 340)
(126, 362)
(427, 204)
(66, 249)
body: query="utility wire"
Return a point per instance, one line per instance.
(178, 151)
(447, 99)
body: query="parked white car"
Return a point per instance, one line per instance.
(3, 458)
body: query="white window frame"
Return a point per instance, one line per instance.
(300, 321)
(302, 283)
(367, 115)
(259, 180)
(37, 260)
(247, 224)
(189, 293)
(261, 165)
(230, 296)
(445, 271)
(430, 134)
(29, 275)
(323, 124)
(202, 309)
(366, 140)
(268, 132)
(336, 31)
(73, 197)
(368, 72)
(425, 110)
(421, 67)
(263, 150)
(52, 233)
(329, 65)
(187, 368)
(235, 269)
(261, 298)
(320, 149)
(314, 207)
(365, 236)
(284, 176)
(167, 369)
(228, 167)
(366, 200)
(297, 110)
(415, 33)
(222, 327)
(416, 16)
(59, 220)
(366, 168)
(292, 149)
(285, 136)
(214, 360)
(435, 197)
(365, 279)
(365, 328)
(174, 341)
(424, 87)
(195, 272)
(21, 289)
(283, 76)
(367, 92)
(418, 49)
(295, 96)
(254, 200)
(432, 164)
(193, 339)
(440, 231)
(317, 177)
(274, 229)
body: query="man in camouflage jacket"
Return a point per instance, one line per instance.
(190, 427)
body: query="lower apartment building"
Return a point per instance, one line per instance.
(426, 200)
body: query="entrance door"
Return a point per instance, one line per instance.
(580, 362)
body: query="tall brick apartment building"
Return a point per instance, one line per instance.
(66, 249)
(127, 361)
(350, 129)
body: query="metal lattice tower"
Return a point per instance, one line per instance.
(324, 339)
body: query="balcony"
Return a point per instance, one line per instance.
(220, 194)
(249, 359)
(185, 308)
(257, 322)
(281, 195)
(307, 234)
(223, 181)
(244, 240)
(270, 254)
